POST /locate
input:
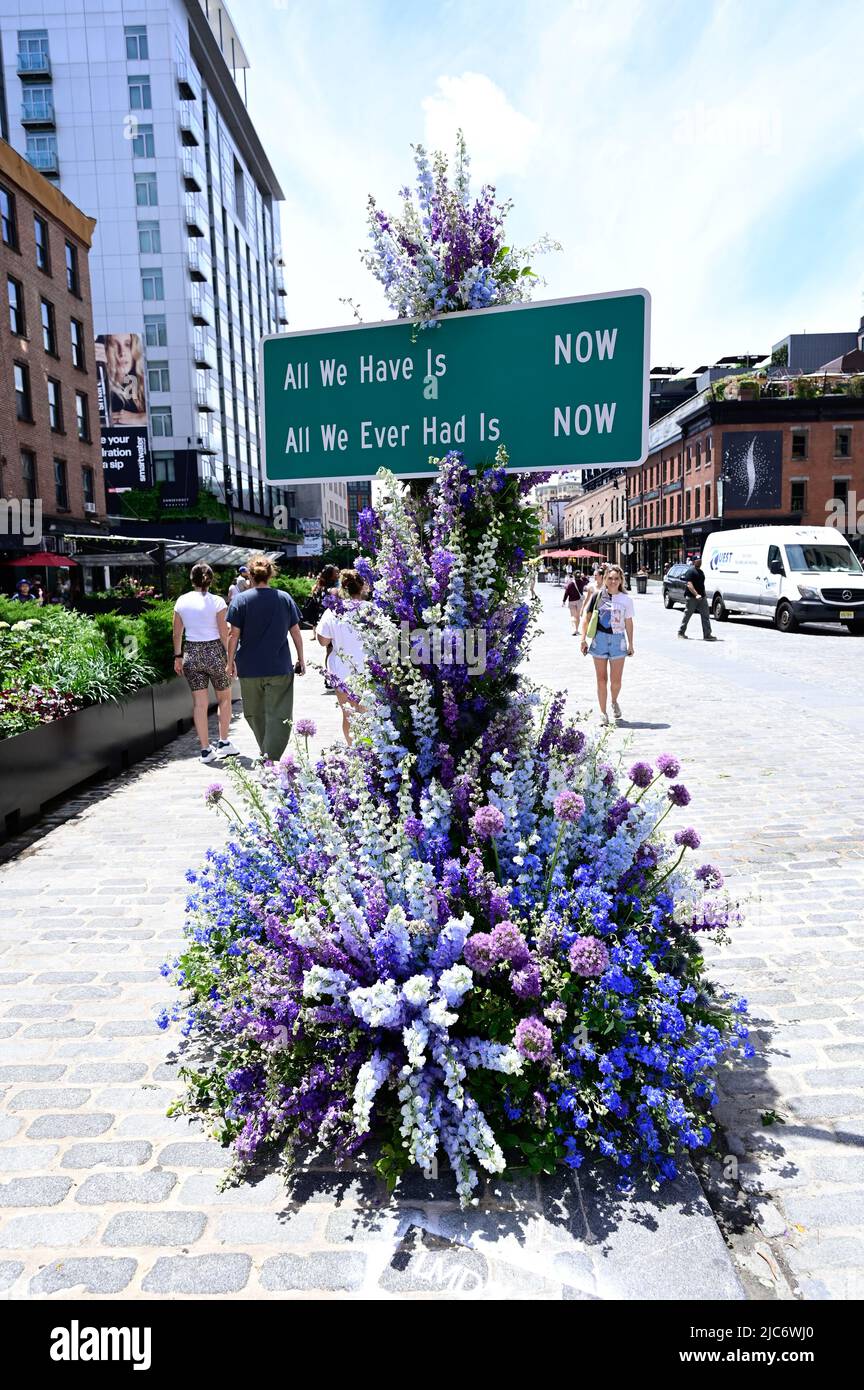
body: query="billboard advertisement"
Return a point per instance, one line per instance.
(313, 536)
(753, 466)
(123, 420)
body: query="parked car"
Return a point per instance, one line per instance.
(790, 574)
(674, 588)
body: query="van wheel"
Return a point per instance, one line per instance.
(719, 611)
(668, 600)
(785, 618)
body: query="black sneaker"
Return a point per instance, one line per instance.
(683, 636)
(709, 639)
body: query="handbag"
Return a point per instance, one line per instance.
(594, 610)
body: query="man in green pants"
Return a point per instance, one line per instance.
(261, 621)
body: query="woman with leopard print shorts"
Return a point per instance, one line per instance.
(200, 615)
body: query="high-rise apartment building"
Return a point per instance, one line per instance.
(138, 113)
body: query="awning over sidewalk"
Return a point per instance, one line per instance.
(217, 556)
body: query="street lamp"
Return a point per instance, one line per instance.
(720, 488)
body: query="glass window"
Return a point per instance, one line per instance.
(146, 192)
(76, 332)
(798, 500)
(822, 559)
(799, 444)
(23, 408)
(17, 321)
(161, 422)
(61, 491)
(155, 331)
(41, 152)
(143, 144)
(139, 94)
(707, 499)
(82, 415)
(136, 43)
(49, 335)
(163, 468)
(8, 228)
(43, 253)
(842, 444)
(73, 283)
(87, 485)
(33, 50)
(55, 406)
(158, 376)
(37, 104)
(149, 238)
(152, 286)
(29, 484)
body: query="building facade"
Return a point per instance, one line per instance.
(597, 520)
(716, 465)
(138, 114)
(50, 460)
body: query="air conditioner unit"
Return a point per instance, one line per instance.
(89, 506)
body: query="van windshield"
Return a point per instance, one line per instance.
(823, 558)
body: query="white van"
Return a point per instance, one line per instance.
(792, 574)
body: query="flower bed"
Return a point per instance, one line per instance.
(467, 933)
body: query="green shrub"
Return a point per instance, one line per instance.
(299, 588)
(157, 638)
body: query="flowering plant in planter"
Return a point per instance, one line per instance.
(466, 933)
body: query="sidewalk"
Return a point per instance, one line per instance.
(103, 1194)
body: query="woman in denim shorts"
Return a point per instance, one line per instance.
(613, 640)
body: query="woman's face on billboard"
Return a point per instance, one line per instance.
(122, 344)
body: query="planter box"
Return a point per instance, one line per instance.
(48, 762)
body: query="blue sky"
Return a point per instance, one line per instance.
(709, 152)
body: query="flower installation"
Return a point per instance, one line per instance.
(446, 252)
(467, 935)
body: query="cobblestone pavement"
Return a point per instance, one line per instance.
(103, 1194)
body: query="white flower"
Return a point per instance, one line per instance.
(418, 990)
(319, 979)
(455, 983)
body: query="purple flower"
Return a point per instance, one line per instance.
(710, 875)
(569, 806)
(509, 944)
(556, 1012)
(589, 956)
(479, 953)
(669, 766)
(642, 774)
(487, 822)
(688, 838)
(306, 728)
(214, 793)
(533, 1040)
(413, 827)
(679, 795)
(526, 982)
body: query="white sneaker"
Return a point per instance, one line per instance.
(616, 709)
(208, 755)
(225, 749)
(605, 721)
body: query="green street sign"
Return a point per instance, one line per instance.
(562, 383)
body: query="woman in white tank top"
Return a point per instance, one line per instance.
(200, 615)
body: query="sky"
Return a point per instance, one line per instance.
(710, 153)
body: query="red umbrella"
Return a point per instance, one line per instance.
(43, 560)
(585, 555)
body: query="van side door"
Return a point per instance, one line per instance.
(773, 580)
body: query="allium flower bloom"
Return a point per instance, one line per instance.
(589, 956)
(679, 795)
(479, 953)
(688, 838)
(487, 822)
(569, 806)
(306, 728)
(526, 983)
(214, 793)
(533, 1039)
(508, 944)
(641, 774)
(669, 766)
(710, 875)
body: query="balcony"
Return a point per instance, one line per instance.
(193, 176)
(203, 350)
(198, 265)
(203, 398)
(45, 161)
(282, 317)
(206, 441)
(280, 281)
(202, 308)
(196, 215)
(34, 65)
(184, 86)
(36, 114)
(191, 132)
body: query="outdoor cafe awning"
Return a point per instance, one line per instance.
(217, 556)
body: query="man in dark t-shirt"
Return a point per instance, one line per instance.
(694, 587)
(261, 621)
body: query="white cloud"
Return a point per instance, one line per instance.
(500, 139)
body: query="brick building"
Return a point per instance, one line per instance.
(598, 519)
(776, 460)
(49, 419)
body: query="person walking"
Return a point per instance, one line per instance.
(199, 616)
(326, 584)
(609, 639)
(346, 656)
(573, 592)
(261, 620)
(694, 584)
(240, 584)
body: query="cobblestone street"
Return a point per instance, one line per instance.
(103, 1194)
